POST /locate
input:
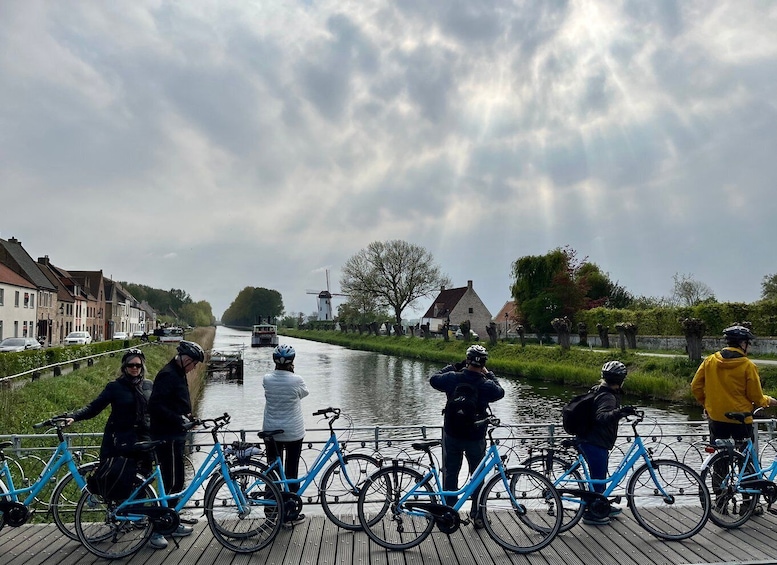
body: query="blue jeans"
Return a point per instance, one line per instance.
(597, 459)
(453, 452)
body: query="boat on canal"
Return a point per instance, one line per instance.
(264, 335)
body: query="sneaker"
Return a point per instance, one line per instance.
(478, 523)
(158, 541)
(594, 521)
(298, 520)
(615, 511)
(183, 531)
(188, 518)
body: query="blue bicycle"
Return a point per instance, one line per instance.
(15, 502)
(736, 479)
(400, 505)
(243, 507)
(667, 498)
(340, 484)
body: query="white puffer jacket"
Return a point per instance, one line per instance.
(283, 391)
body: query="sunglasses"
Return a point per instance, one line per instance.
(134, 365)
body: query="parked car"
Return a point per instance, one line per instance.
(120, 335)
(138, 333)
(78, 338)
(18, 344)
(472, 335)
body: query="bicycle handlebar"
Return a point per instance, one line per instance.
(326, 411)
(53, 421)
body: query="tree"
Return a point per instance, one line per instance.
(393, 274)
(689, 292)
(252, 305)
(601, 290)
(769, 287)
(359, 309)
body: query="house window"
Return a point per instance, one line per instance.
(1, 322)
(16, 302)
(471, 310)
(16, 327)
(26, 301)
(2, 299)
(24, 330)
(32, 301)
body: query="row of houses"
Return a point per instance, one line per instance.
(43, 301)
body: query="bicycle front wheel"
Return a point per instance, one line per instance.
(668, 499)
(64, 500)
(522, 512)
(339, 489)
(731, 507)
(244, 510)
(383, 511)
(554, 467)
(104, 533)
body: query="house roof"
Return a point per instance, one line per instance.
(446, 300)
(18, 260)
(509, 309)
(63, 295)
(8, 276)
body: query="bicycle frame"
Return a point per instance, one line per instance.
(61, 457)
(331, 447)
(751, 456)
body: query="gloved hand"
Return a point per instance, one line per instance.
(460, 365)
(627, 411)
(187, 422)
(490, 375)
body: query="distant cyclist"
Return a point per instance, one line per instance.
(727, 381)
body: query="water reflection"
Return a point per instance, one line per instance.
(376, 389)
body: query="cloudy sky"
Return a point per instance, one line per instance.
(211, 146)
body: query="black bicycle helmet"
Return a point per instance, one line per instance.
(283, 354)
(477, 355)
(130, 353)
(614, 372)
(192, 350)
(736, 334)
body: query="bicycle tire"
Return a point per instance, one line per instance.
(339, 489)
(65, 498)
(553, 468)
(252, 529)
(387, 522)
(255, 464)
(103, 534)
(520, 511)
(730, 506)
(681, 516)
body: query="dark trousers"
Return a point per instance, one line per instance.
(453, 452)
(597, 459)
(726, 430)
(170, 457)
(289, 452)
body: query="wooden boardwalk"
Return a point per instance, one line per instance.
(319, 542)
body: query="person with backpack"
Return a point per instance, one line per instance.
(469, 388)
(597, 439)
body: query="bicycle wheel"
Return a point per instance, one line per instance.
(339, 488)
(383, 514)
(256, 525)
(106, 535)
(521, 511)
(668, 499)
(64, 499)
(554, 467)
(730, 506)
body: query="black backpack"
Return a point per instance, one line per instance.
(577, 416)
(114, 478)
(461, 410)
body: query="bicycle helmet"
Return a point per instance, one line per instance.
(736, 334)
(614, 372)
(477, 355)
(192, 350)
(283, 354)
(130, 353)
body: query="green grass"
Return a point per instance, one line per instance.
(660, 378)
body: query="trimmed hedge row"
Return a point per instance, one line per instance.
(13, 363)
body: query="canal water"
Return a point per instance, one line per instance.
(378, 390)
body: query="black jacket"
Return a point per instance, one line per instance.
(128, 421)
(607, 405)
(169, 401)
(489, 390)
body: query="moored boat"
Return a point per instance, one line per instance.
(264, 335)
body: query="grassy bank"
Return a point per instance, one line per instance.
(662, 378)
(41, 399)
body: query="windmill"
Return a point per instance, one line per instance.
(325, 301)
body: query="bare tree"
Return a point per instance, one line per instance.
(687, 291)
(393, 273)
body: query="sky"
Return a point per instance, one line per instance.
(211, 146)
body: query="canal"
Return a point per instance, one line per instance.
(376, 389)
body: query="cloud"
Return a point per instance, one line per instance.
(211, 147)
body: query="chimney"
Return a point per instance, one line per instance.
(442, 287)
(469, 285)
(14, 240)
(44, 260)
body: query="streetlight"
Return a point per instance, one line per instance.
(506, 315)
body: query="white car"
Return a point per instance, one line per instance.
(138, 333)
(18, 344)
(78, 338)
(120, 335)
